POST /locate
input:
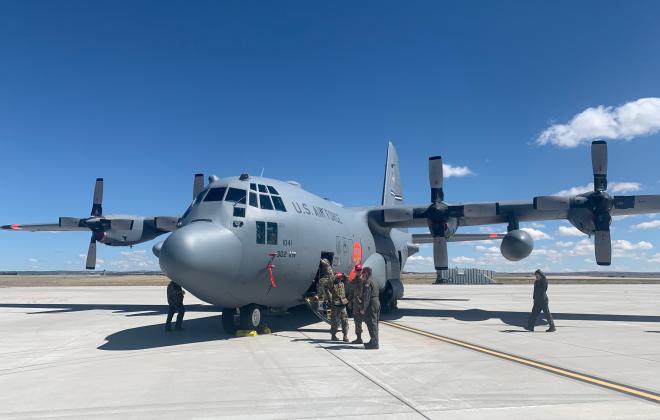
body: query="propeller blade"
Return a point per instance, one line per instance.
(436, 179)
(440, 256)
(97, 203)
(603, 245)
(198, 185)
(599, 164)
(552, 203)
(91, 253)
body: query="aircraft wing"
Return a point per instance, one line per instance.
(43, 227)
(166, 223)
(469, 214)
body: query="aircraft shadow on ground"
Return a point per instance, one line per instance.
(210, 329)
(197, 330)
(511, 317)
(129, 309)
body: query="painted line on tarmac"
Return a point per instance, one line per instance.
(582, 377)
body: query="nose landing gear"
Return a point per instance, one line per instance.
(250, 318)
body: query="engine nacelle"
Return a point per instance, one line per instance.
(516, 245)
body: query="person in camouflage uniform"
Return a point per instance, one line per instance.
(357, 303)
(325, 282)
(371, 306)
(338, 302)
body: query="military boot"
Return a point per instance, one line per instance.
(345, 340)
(358, 340)
(334, 337)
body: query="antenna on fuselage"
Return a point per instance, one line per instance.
(262, 172)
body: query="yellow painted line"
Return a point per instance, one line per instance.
(604, 383)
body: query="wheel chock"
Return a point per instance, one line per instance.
(267, 330)
(246, 333)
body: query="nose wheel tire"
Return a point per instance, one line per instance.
(252, 317)
(229, 321)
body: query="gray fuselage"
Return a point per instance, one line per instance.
(226, 240)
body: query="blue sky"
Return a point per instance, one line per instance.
(145, 94)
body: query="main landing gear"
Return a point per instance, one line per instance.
(246, 318)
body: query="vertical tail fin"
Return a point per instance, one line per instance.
(392, 191)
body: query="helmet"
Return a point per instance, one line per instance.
(358, 267)
(339, 274)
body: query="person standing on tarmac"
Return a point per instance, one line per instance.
(325, 286)
(371, 306)
(175, 301)
(540, 302)
(356, 300)
(338, 301)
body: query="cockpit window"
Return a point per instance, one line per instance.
(272, 190)
(236, 195)
(271, 233)
(253, 186)
(262, 188)
(265, 202)
(215, 194)
(253, 200)
(279, 204)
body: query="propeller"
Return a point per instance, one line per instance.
(91, 253)
(97, 223)
(598, 202)
(439, 213)
(94, 225)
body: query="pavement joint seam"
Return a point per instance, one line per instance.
(582, 377)
(370, 379)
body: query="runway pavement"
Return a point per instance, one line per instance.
(81, 352)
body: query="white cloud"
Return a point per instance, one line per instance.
(625, 122)
(487, 250)
(550, 254)
(419, 263)
(134, 260)
(583, 247)
(449, 171)
(33, 260)
(623, 245)
(647, 225)
(569, 231)
(536, 234)
(463, 260)
(612, 187)
(561, 244)
(655, 258)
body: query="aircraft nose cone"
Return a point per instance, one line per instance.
(201, 256)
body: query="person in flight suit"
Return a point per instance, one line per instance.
(338, 301)
(371, 306)
(540, 303)
(356, 301)
(175, 301)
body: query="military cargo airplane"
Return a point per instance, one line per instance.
(112, 230)
(249, 243)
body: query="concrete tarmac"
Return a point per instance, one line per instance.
(81, 352)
